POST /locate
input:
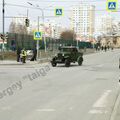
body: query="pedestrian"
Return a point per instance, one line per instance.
(105, 48)
(35, 54)
(96, 47)
(34, 57)
(18, 54)
(23, 55)
(102, 48)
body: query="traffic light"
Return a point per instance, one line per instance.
(27, 22)
(2, 36)
(6, 36)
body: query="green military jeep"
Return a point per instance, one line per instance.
(67, 55)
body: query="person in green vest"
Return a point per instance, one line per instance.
(23, 55)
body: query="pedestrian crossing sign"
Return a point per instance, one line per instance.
(58, 11)
(112, 5)
(37, 35)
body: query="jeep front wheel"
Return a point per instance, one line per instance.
(80, 60)
(67, 63)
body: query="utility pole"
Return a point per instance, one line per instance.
(43, 19)
(77, 26)
(27, 13)
(3, 32)
(28, 19)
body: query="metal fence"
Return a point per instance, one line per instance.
(26, 41)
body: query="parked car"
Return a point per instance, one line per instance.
(29, 54)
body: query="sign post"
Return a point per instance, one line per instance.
(37, 36)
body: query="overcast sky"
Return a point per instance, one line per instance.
(19, 8)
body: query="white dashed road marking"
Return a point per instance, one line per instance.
(101, 102)
(45, 110)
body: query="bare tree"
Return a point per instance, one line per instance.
(12, 27)
(17, 28)
(68, 35)
(21, 29)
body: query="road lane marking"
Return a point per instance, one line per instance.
(101, 102)
(95, 111)
(71, 108)
(45, 110)
(101, 65)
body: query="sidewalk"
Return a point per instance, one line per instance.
(43, 60)
(28, 62)
(13, 62)
(118, 113)
(116, 110)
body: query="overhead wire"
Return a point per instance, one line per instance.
(23, 6)
(69, 1)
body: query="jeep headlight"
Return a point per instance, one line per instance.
(56, 55)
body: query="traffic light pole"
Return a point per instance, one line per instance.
(43, 20)
(37, 45)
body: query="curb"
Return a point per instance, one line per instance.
(116, 105)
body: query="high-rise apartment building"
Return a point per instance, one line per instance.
(104, 24)
(83, 20)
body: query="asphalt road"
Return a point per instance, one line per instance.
(40, 92)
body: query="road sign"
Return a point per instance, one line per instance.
(112, 5)
(58, 11)
(37, 35)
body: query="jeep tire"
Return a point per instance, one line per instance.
(67, 63)
(53, 63)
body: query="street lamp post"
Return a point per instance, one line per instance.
(77, 24)
(54, 39)
(43, 20)
(73, 34)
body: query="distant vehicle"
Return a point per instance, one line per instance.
(67, 55)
